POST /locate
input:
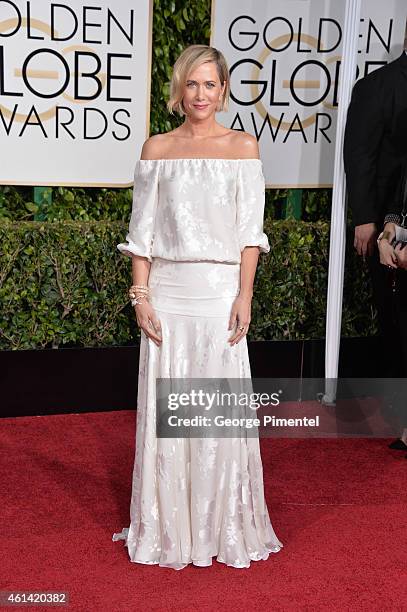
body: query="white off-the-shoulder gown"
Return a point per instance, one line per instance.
(195, 498)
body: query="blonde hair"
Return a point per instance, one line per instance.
(192, 57)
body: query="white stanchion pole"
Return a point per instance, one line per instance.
(338, 214)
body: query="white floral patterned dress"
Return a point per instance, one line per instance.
(195, 498)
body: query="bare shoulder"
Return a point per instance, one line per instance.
(246, 144)
(155, 147)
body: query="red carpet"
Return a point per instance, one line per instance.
(339, 506)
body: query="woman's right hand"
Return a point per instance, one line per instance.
(148, 321)
(387, 254)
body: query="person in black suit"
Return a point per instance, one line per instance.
(396, 257)
(375, 150)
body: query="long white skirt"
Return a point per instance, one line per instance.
(194, 498)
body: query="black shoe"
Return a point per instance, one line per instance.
(398, 445)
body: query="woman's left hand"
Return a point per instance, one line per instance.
(240, 318)
(401, 254)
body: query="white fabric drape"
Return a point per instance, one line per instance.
(338, 214)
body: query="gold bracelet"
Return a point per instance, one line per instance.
(384, 236)
(135, 289)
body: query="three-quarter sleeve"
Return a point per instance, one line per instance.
(140, 236)
(250, 199)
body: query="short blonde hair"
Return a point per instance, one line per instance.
(192, 57)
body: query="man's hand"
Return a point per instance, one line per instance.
(365, 238)
(387, 254)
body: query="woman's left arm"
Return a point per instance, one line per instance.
(250, 200)
(240, 315)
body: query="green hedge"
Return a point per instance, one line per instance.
(65, 284)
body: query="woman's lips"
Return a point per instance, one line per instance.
(201, 106)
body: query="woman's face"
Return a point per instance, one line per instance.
(202, 91)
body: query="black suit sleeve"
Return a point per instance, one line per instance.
(363, 135)
(395, 204)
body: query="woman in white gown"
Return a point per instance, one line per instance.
(195, 234)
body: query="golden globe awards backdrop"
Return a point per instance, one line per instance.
(285, 63)
(74, 90)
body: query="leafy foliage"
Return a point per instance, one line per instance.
(65, 284)
(292, 281)
(61, 284)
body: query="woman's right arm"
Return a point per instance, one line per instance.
(139, 238)
(146, 317)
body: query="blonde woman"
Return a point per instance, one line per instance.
(195, 235)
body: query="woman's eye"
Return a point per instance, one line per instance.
(210, 85)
